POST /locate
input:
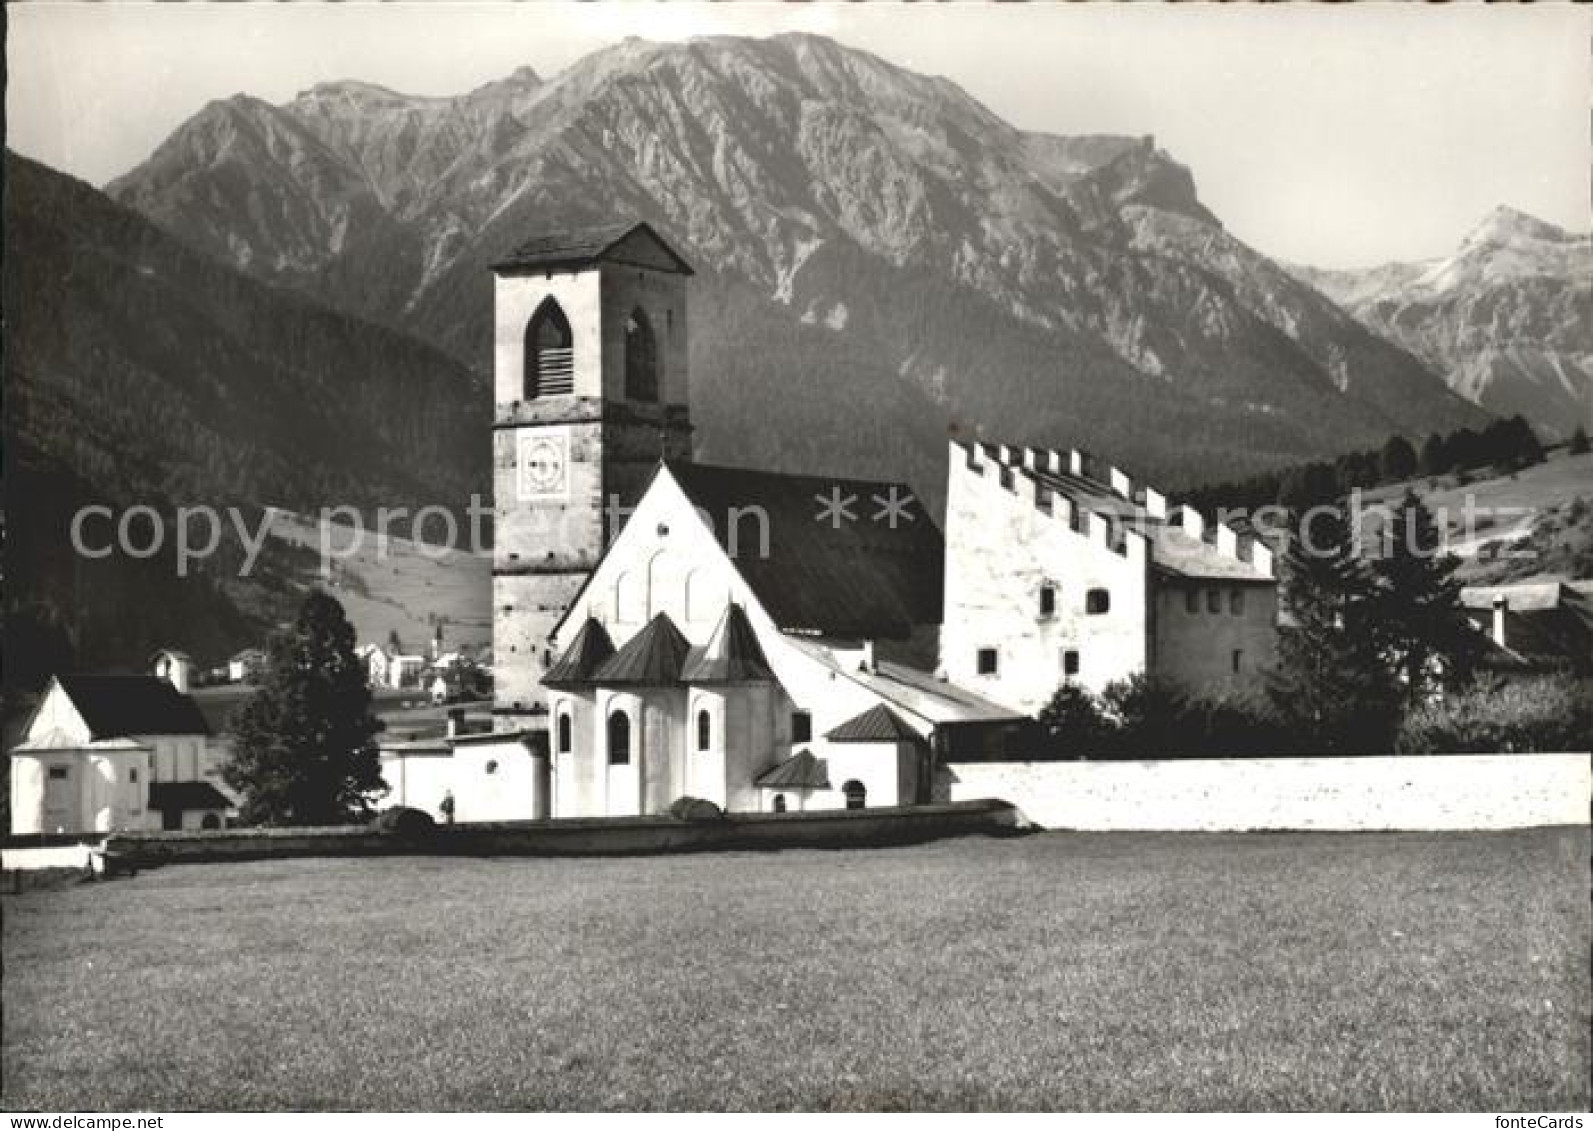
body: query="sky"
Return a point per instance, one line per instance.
(1328, 135)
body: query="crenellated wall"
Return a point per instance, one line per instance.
(1007, 537)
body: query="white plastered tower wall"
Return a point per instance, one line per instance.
(558, 460)
(1006, 539)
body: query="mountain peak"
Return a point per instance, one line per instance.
(1507, 225)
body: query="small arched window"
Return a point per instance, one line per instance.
(641, 358)
(1047, 600)
(705, 730)
(210, 821)
(856, 794)
(779, 803)
(1214, 600)
(1192, 600)
(619, 739)
(1236, 602)
(565, 737)
(549, 353)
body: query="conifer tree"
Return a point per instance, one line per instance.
(1398, 459)
(1330, 685)
(1579, 442)
(304, 750)
(1422, 626)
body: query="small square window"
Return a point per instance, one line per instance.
(1048, 600)
(1192, 600)
(59, 773)
(801, 726)
(1097, 602)
(1214, 600)
(1070, 662)
(987, 661)
(1236, 602)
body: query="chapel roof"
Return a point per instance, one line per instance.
(590, 649)
(114, 706)
(800, 771)
(654, 656)
(877, 724)
(732, 654)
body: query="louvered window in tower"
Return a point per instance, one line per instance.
(549, 356)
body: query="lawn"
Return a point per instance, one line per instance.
(1065, 971)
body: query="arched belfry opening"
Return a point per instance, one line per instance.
(549, 353)
(641, 358)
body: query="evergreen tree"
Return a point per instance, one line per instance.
(1398, 460)
(304, 748)
(395, 646)
(1072, 724)
(1579, 442)
(1424, 633)
(1330, 685)
(1434, 458)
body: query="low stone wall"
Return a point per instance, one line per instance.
(1459, 791)
(605, 836)
(53, 856)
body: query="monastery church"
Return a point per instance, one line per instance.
(664, 628)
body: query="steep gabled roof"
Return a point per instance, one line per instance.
(800, 771)
(589, 651)
(732, 654)
(654, 657)
(826, 572)
(114, 706)
(581, 247)
(877, 724)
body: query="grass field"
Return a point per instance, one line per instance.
(1065, 971)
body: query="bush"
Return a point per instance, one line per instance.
(695, 809)
(1524, 715)
(411, 824)
(1141, 717)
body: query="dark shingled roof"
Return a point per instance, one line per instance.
(732, 654)
(800, 771)
(579, 247)
(186, 795)
(590, 649)
(116, 706)
(856, 578)
(877, 724)
(653, 657)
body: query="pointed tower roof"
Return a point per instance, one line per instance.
(877, 724)
(732, 654)
(586, 653)
(800, 771)
(653, 657)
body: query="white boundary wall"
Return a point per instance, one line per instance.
(1451, 791)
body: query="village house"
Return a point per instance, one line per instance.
(1532, 626)
(104, 752)
(739, 638)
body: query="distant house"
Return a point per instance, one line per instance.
(1532, 626)
(246, 666)
(104, 752)
(176, 668)
(405, 670)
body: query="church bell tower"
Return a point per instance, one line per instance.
(590, 392)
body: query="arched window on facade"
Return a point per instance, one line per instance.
(549, 353)
(641, 358)
(779, 803)
(705, 730)
(619, 739)
(856, 794)
(566, 739)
